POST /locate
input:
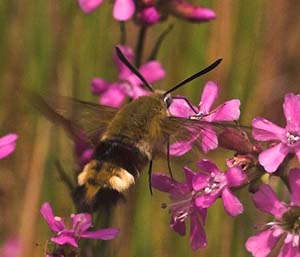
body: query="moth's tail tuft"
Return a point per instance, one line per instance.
(104, 199)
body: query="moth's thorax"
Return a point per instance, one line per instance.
(139, 123)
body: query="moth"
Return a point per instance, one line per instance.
(124, 140)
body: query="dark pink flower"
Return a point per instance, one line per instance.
(187, 11)
(114, 93)
(228, 111)
(7, 145)
(286, 226)
(149, 15)
(288, 137)
(80, 223)
(123, 9)
(183, 206)
(210, 184)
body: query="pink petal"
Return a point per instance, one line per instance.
(291, 107)
(123, 9)
(81, 222)
(209, 139)
(231, 203)
(264, 130)
(180, 108)
(294, 181)
(123, 70)
(189, 177)
(104, 234)
(56, 224)
(228, 111)
(7, 150)
(197, 236)
(209, 95)
(113, 96)
(235, 176)
(99, 85)
(207, 166)
(162, 182)
(288, 250)
(152, 71)
(64, 239)
(271, 158)
(89, 5)
(8, 139)
(266, 200)
(200, 181)
(205, 201)
(261, 244)
(180, 148)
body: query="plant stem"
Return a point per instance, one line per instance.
(140, 46)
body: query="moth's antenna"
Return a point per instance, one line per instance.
(194, 76)
(133, 69)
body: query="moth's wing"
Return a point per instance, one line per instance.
(82, 120)
(203, 134)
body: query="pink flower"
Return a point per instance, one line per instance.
(192, 198)
(183, 206)
(80, 223)
(228, 111)
(114, 93)
(7, 145)
(288, 137)
(123, 9)
(210, 184)
(286, 224)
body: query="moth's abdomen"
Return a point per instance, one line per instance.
(114, 166)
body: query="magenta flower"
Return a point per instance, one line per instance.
(114, 93)
(183, 206)
(286, 224)
(211, 183)
(288, 137)
(149, 15)
(7, 145)
(123, 9)
(80, 223)
(188, 11)
(228, 111)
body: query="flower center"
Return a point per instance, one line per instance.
(181, 207)
(291, 220)
(214, 184)
(292, 138)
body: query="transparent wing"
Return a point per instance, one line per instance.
(206, 135)
(82, 120)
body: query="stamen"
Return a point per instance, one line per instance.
(292, 138)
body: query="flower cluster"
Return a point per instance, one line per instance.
(149, 12)
(193, 197)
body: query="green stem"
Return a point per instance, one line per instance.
(140, 46)
(123, 36)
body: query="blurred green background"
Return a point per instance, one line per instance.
(53, 46)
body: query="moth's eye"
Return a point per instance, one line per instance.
(168, 101)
